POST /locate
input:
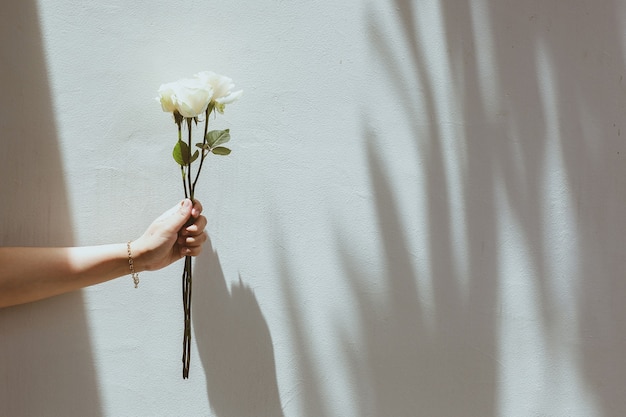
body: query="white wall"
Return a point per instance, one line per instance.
(422, 214)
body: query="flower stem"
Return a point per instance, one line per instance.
(209, 110)
(191, 184)
(182, 168)
(187, 281)
(187, 272)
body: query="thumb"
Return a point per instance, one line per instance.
(179, 215)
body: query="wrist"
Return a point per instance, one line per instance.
(136, 255)
(131, 265)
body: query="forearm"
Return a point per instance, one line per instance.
(30, 274)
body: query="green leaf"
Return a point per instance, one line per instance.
(220, 150)
(194, 156)
(217, 137)
(181, 153)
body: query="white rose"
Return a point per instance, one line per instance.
(188, 96)
(166, 97)
(192, 97)
(221, 86)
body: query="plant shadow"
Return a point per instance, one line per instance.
(519, 164)
(234, 343)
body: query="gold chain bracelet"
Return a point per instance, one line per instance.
(132, 266)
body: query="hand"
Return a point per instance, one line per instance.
(170, 237)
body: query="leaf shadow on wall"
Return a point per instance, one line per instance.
(429, 335)
(543, 152)
(425, 343)
(47, 365)
(234, 343)
(406, 360)
(558, 110)
(548, 158)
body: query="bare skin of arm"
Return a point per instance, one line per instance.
(30, 273)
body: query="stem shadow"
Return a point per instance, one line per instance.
(234, 343)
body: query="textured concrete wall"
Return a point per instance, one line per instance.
(422, 214)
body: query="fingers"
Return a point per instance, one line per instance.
(195, 228)
(192, 241)
(192, 245)
(192, 237)
(197, 209)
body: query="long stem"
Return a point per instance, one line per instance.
(182, 172)
(209, 110)
(191, 184)
(182, 168)
(187, 316)
(187, 273)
